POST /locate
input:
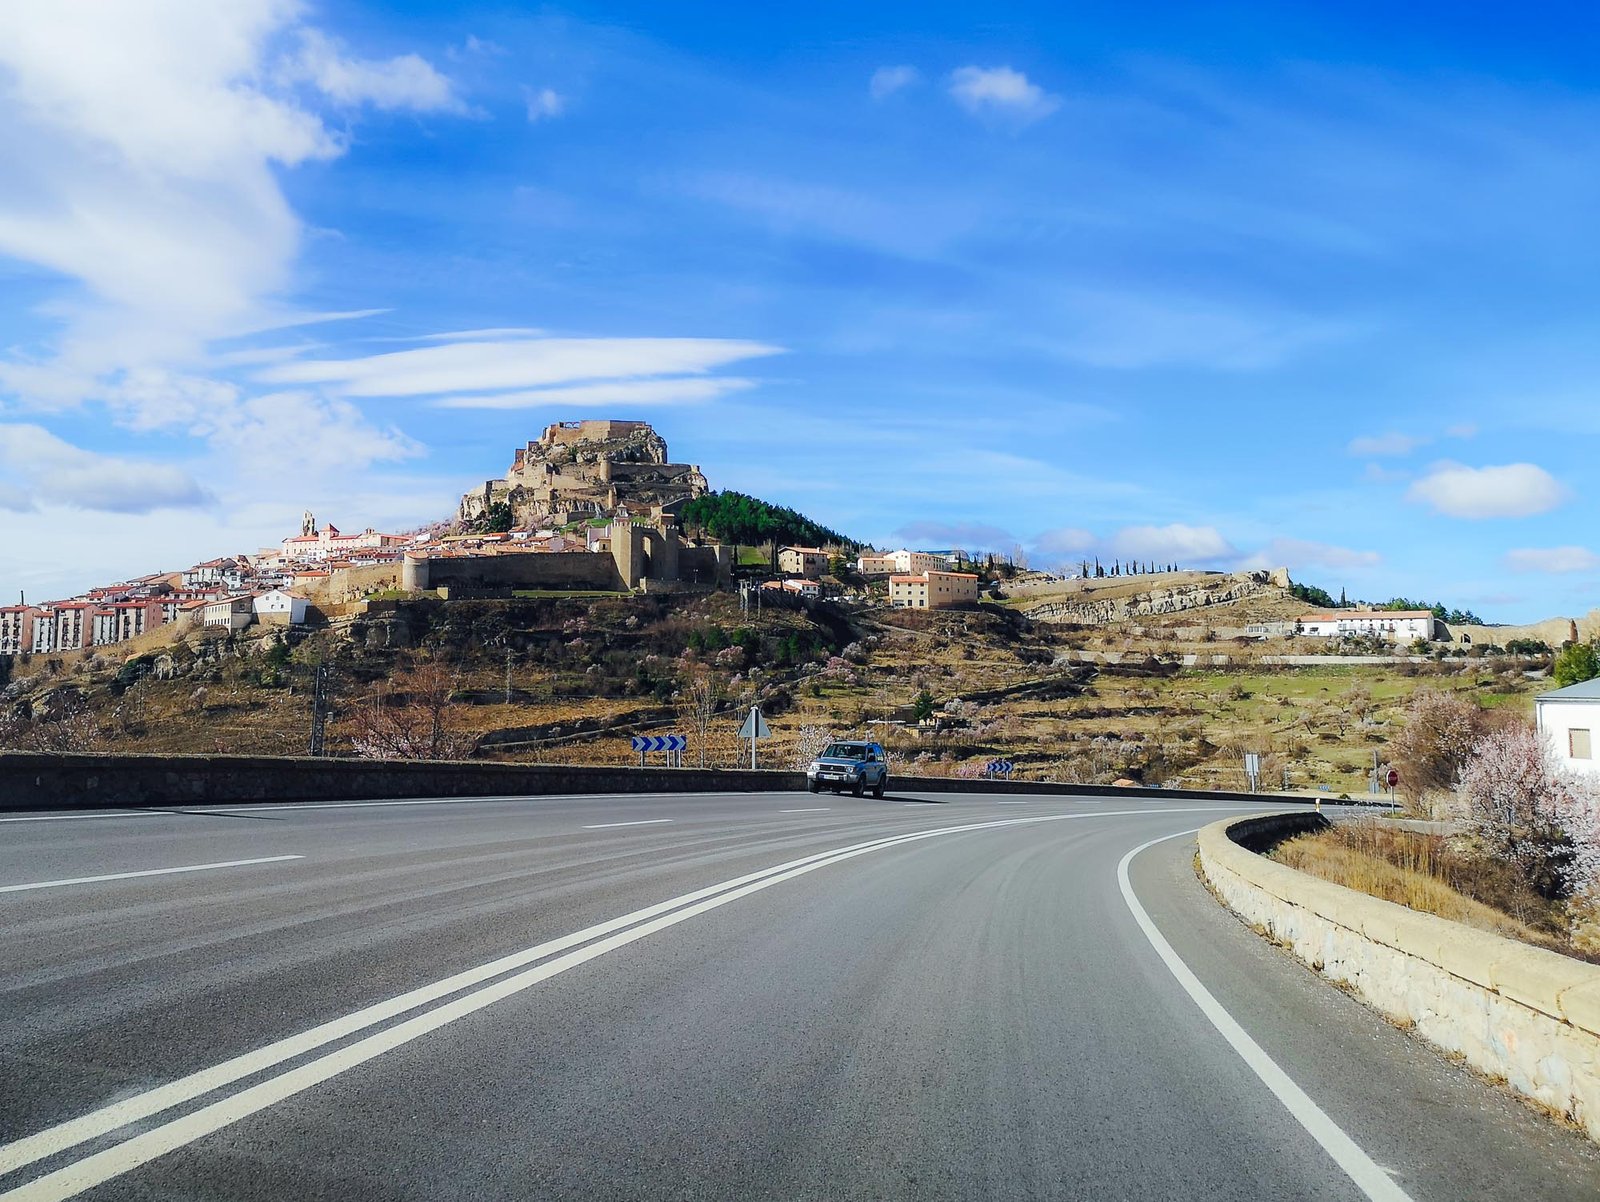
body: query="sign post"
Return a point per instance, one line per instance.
(755, 727)
(1252, 768)
(1392, 780)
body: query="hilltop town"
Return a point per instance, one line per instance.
(598, 586)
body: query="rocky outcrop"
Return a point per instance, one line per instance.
(589, 468)
(1084, 608)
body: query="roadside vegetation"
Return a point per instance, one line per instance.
(1514, 846)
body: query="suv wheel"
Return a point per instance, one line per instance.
(877, 790)
(859, 789)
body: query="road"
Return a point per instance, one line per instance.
(711, 996)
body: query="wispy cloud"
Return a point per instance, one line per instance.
(678, 391)
(1001, 92)
(968, 536)
(543, 103)
(886, 81)
(407, 82)
(1128, 330)
(1305, 553)
(1385, 445)
(1552, 559)
(515, 364)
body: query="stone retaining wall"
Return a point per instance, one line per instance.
(32, 781)
(1511, 1011)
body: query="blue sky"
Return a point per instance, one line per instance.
(1226, 284)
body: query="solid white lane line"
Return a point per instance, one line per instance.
(810, 810)
(1347, 1154)
(76, 817)
(605, 826)
(354, 805)
(128, 876)
(80, 1175)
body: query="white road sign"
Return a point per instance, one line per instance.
(755, 726)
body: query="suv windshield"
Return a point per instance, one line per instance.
(845, 751)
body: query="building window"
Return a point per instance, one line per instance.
(1578, 744)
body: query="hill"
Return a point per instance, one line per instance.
(569, 679)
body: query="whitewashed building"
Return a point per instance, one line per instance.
(1570, 719)
(279, 605)
(1390, 625)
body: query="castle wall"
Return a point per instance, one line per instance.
(526, 569)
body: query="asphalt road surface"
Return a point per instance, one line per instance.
(722, 996)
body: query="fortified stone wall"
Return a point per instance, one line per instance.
(516, 569)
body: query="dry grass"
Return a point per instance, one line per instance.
(1419, 871)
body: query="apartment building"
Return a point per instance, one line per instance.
(808, 562)
(933, 590)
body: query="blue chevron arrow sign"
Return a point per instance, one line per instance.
(660, 742)
(998, 768)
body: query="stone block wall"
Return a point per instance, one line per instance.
(1521, 1013)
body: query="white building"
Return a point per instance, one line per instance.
(1570, 719)
(279, 605)
(1390, 625)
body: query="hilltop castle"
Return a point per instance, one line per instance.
(576, 470)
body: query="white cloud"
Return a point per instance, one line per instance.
(1301, 553)
(886, 81)
(678, 391)
(1462, 430)
(56, 472)
(520, 363)
(1068, 540)
(1514, 490)
(1001, 91)
(1552, 559)
(545, 102)
(406, 82)
(279, 435)
(142, 143)
(1186, 544)
(1390, 444)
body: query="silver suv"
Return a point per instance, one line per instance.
(854, 766)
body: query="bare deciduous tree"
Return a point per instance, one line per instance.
(410, 722)
(699, 702)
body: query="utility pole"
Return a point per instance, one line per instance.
(319, 714)
(508, 675)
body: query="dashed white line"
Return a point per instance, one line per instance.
(810, 810)
(1363, 1172)
(605, 826)
(128, 876)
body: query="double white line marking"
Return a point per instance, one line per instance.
(548, 960)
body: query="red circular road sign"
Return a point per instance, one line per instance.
(1394, 778)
